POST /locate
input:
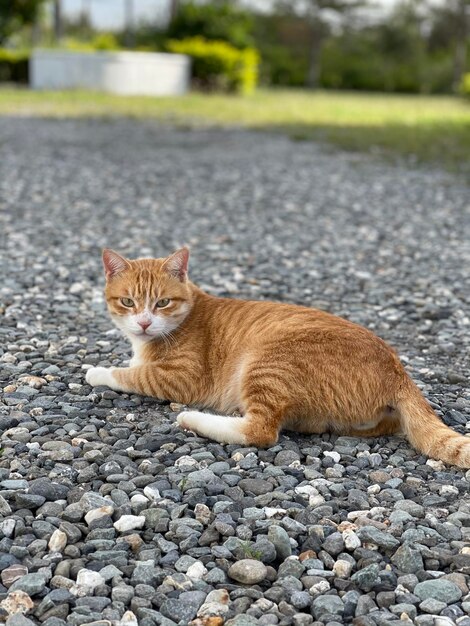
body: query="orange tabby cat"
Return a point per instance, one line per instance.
(279, 365)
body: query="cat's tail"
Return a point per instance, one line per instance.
(427, 433)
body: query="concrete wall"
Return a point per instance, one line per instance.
(126, 73)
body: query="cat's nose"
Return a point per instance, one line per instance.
(145, 324)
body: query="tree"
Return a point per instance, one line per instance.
(58, 24)
(451, 28)
(212, 20)
(322, 16)
(15, 14)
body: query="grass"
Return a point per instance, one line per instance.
(428, 128)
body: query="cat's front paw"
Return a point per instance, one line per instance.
(188, 420)
(100, 377)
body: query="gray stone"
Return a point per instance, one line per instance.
(440, 589)
(32, 584)
(408, 560)
(178, 610)
(281, 541)
(327, 605)
(255, 486)
(430, 605)
(18, 620)
(367, 577)
(409, 506)
(384, 540)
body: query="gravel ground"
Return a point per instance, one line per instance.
(109, 513)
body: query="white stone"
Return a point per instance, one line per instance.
(319, 588)
(336, 456)
(436, 465)
(87, 581)
(76, 288)
(58, 541)
(202, 513)
(185, 461)
(129, 522)
(7, 527)
(448, 490)
(95, 514)
(306, 490)
(196, 571)
(272, 512)
(138, 498)
(126, 73)
(316, 500)
(152, 493)
(128, 619)
(351, 540)
(342, 568)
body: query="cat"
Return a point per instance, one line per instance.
(280, 366)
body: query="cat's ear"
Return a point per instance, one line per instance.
(177, 264)
(113, 263)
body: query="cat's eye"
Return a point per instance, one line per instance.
(127, 302)
(161, 304)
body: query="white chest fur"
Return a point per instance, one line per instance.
(137, 352)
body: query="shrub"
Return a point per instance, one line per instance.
(465, 85)
(14, 66)
(218, 65)
(103, 41)
(281, 66)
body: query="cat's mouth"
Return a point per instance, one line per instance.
(145, 333)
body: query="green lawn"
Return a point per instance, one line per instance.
(429, 128)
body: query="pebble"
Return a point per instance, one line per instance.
(129, 522)
(58, 541)
(281, 541)
(248, 571)
(32, 584)
(442, 590)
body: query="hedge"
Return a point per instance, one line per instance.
(217, 65)
(465, 85)
(14, 66)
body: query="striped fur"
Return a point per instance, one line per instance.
(278, 365)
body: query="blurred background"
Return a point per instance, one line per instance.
(383, 75)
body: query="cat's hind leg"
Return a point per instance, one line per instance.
(252, 429)
(217, 427)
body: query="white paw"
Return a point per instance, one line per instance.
(100, 376)
(188, 420)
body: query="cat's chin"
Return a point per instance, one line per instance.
(144, 336)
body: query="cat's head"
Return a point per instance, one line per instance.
(147, 298)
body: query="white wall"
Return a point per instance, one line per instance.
(126, 73)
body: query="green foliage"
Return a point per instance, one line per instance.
(14, 66)
(216, 21)
(388, 61)
(281, 66)
(465, 85)
(216, 65)
(283, 44)
(101, 41)
(250, 552)
(105, 41)
(15, 14)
